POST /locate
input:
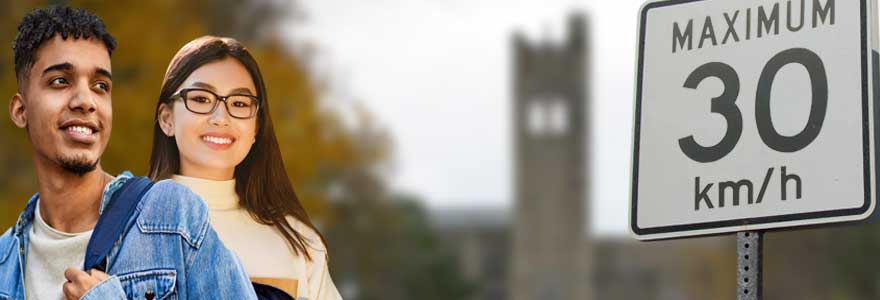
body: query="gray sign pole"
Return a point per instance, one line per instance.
(749, 275)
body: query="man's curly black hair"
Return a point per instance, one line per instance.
(43, 24)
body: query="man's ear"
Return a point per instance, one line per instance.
(166, 120)
(18, 111)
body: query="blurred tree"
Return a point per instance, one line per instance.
(853, 254)
(832, 262)
(385, 249)
(253, 21)
(383, 246)
(16, 168)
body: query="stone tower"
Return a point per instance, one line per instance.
(551, 253)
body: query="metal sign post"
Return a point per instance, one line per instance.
(749, 277)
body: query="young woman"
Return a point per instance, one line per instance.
(214, 134)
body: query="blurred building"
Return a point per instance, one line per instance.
(480, 238)
(550, 252)
(543, 249)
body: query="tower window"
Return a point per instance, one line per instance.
(547, 116)
(558, 110)
(537, 118)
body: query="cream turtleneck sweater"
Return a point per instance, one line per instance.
(263, 251)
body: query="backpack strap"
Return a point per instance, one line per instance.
(113, 221)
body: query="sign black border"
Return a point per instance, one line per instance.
(684, 228)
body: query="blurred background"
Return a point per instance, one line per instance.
(449, 149)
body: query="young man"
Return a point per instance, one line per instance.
(62, 63)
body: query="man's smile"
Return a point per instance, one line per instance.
(80, 131)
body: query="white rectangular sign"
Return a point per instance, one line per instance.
(752, 114)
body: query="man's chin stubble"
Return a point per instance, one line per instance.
(77, 165)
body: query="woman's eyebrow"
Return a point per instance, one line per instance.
(241, 90)
(204, 85)
(208, 86)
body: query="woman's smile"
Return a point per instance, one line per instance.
(218, 141)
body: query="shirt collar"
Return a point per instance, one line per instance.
(218, 194)
(27, 215)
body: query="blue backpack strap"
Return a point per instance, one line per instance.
(113, 221)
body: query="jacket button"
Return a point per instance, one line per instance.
(149, 295)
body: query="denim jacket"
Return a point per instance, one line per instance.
(169, 251)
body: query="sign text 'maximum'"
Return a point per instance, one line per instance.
(759, 22)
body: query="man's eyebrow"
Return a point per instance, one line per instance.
(58, 67)
(104, 72)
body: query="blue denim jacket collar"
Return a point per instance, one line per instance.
(27, 215)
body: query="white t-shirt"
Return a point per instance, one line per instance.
(263, 251)
(50, 252)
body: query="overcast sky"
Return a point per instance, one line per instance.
(437, 74)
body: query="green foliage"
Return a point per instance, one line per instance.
(831, 262)
(390, 252)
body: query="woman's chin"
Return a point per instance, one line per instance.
(208, 168)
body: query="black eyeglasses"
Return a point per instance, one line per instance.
(202, 101)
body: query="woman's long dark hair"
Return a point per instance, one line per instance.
(262, 184)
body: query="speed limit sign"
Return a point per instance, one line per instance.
(752, 114)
